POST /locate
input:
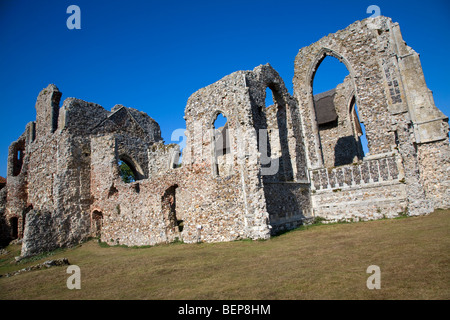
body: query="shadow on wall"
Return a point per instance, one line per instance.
(173, 225)
(285, 203)
(5, 232)
(272, 134)
(347, 150)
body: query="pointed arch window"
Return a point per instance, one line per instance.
(129, 170)
(221, 145)
(341, 134)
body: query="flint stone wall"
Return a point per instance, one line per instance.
(133, 214)
(394, 104)
(434, 160)
(4, 228)
(49, 167)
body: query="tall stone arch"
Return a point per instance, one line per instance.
(393, 101)
(365, 73)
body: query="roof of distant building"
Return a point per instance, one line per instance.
(325, 109)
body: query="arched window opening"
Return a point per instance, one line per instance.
(19, 153)
(97, 223)
(14, 223)
(266, 127)
(220, 121)
(126, 172)
(329, 74)
(270, 101)
(129, 170)
(340, 131)
(221, 146)
(273, 138)
(176, 160)
(178, 137)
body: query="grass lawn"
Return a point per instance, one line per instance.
(316, 262)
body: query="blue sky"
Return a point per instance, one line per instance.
(152, 55)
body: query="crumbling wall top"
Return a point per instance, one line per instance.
(47, 110)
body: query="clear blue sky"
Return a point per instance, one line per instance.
(152, 55)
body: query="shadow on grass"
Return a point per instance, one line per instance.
(320, 221)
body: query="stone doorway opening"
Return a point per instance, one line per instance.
(97, 223)
(14, 223)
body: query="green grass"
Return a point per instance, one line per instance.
(314, 262)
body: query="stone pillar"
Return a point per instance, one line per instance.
(47, 110)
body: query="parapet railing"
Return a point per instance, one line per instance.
(371, 170)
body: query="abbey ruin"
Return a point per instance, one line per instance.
(268, 169)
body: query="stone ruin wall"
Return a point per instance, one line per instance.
(228, 204)
(434, 167)
(286, 190)
(51, 192)
(136, 213)
(396, 108)
(4, 228)
(279, 168)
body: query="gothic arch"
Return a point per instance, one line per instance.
(323, 53)
(362, 76)
(320, 56)
(220, 145)
(138, 173)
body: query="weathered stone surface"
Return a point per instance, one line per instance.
(398, 112)
(46, 264)
(269, 168)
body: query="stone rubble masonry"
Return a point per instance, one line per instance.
(270, 168)
(46, 264)
(5, 230)
(399, 115)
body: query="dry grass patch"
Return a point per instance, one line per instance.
(319, 262)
